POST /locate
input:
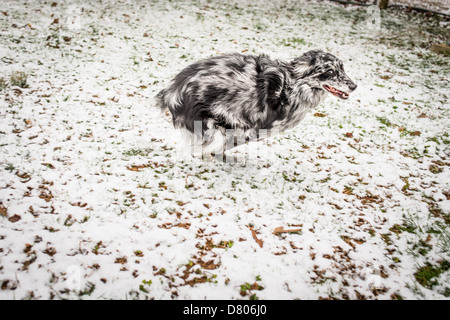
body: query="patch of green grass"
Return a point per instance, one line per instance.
(384, 121)
(291, 179)
(422, 247)
(248, 289)
(294, 42)
(19, 79)
(144, 286)
(427, 274)
(138, 152)
(90, 287)
(259, 26)
(401, 228)
(200, 16)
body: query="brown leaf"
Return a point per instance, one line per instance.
(79, 204)
(348, 240)
(254, 233)
(347, 190)
(45, 194)
(415, 133)
(3, 211)
(48, 165)
(169, 225)
(138, 167)
(256, 286)
(318, 114)
(121, 260)
(138, 253)
(51, 251)
(183, 225)
(280, 230)
(349, 135)
(166, 225)
(14, 218)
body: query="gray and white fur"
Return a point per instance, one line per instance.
(246, 95)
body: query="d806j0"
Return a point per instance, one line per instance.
(246, 309)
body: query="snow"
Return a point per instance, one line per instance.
(110, 209)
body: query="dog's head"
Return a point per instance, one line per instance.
(323, 71)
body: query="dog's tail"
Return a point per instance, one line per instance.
(160, 103)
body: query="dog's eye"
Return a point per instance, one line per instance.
(330, 72)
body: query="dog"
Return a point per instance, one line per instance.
(224, 101)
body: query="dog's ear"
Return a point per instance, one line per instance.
(306, 63)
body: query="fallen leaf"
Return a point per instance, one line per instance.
(347, 190)
(183, 225)
(137, 168)
(349, 135)
(48, 165)
(318, 114)
(79, 204)
(280, 230)
(3, 211)
(121, 260)
(14, 218)
(258, 241)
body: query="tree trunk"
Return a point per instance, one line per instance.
(384, 4)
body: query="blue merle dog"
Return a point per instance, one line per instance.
(245, 95)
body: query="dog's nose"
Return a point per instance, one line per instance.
(352, 86)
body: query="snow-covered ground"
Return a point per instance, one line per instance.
(97, 203)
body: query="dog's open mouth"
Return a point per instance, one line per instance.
(336, 92)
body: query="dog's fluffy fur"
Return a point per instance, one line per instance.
(249, 93)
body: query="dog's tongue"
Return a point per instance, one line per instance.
(336, 92)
